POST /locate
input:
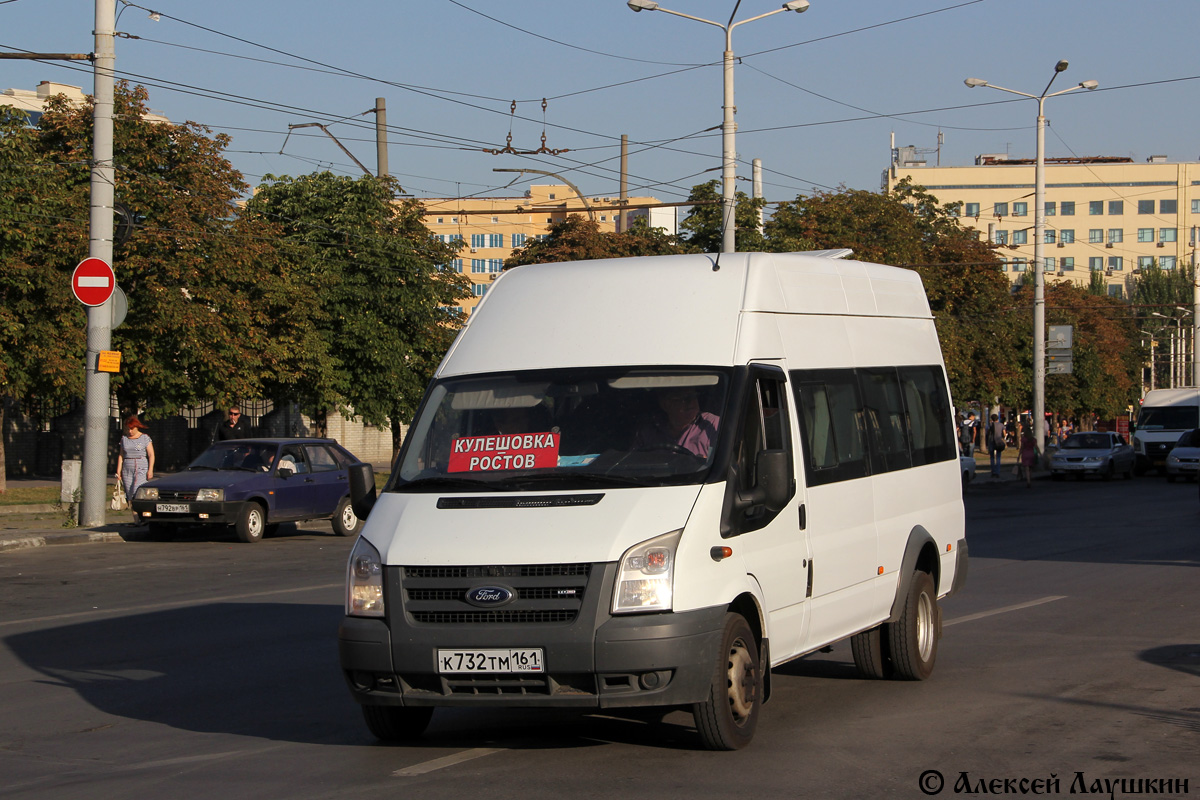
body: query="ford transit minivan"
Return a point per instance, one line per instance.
(650, 481)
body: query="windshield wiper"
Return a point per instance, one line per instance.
(202, 466)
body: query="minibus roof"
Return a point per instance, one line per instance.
(679, 310)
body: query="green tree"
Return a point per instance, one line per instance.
(386, 288)
(703, 222)
(577, 238)
(1106, 355)
(42, 326)
(1162, 300)
(215, 309)
(968, 294)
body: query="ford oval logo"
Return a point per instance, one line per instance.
(489, 596)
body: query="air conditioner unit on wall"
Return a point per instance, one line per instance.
(1162, 244)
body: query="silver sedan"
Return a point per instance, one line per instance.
(1184, 460)
(1104, 454)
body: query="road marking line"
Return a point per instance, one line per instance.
(1005, 610)
(445, 761)
(199, 601)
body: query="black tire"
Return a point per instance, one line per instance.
(913, 639)
(251, 523)
(396, 724)
(1109, 473)
(1140, 467)
(726, 721)
(1057, 476)
(870, 649)
(345, 523)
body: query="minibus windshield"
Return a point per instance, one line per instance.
(565, 429)
(1160, 418)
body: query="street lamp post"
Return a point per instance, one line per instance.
(728, 126)
(1039, 234)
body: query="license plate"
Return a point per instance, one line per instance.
(173, 508)
(513, 660)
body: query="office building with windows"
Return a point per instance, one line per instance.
(33, 102)
(1104, 215)
(490, 228)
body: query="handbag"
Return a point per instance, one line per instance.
(119, 501)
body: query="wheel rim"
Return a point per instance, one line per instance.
(254, 524)
(925, 632)
(743, 681)
(349, 520)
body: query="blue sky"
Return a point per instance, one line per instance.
(818, 93)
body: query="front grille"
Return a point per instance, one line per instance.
(183, 495)
(541, 594)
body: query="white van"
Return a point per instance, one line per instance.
(648, 481)
(1165, 415)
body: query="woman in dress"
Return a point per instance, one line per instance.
(1028, 454)
(135, 458)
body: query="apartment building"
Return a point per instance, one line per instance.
(490, 228)
(1104, 215)
(33, 102)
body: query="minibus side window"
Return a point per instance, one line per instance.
(929, 416)
(831, 423)
(764, 426)
(887, 422)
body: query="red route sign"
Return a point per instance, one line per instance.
(93, 282)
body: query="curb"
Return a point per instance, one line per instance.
(67, 537)
(36, 508)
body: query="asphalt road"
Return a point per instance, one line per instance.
(205, 668)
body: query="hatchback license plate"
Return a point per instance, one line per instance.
(173, 508)
(512, 660)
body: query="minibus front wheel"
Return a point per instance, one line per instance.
(726, 721)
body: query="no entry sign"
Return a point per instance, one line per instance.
(93, 282)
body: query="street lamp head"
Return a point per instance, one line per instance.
(1089, 85)
(642, 5)
(1061, 66)
(973, 82)
(799, 6)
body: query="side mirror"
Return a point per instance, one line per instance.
(774, 472)
(773, 488)
(362, 489)
(286, 470)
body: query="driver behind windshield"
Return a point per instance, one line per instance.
(678, 421)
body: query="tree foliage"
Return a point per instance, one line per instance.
(577, 238)
(215, 311)
(1105, 377)
(703, 223)
(385, 285)
(968, 294)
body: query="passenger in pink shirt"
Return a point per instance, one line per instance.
(681, 423)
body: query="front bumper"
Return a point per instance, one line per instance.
(595, 661)
(1182, 467)
(206, 513)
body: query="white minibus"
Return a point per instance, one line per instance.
(1165, 415)
(650, 481)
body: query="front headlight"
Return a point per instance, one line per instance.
(146, 493)
(1093, 459)
(211, 495)
(646, 575)
(364, 581)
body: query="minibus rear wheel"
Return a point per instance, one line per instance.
(396, 724)
(870, 649)
(726, 721)
(913, 638)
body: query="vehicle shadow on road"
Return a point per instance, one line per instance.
(270, 671)
(248, 669)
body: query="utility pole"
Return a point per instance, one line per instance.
(624, 180)
(758, 190)
(381, 142)
(1195, 307)
(97, 390)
